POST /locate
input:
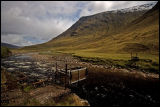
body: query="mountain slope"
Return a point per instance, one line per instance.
(145, 32)
(120, 31)
(9, 45)
(106, 23)
(141, 35)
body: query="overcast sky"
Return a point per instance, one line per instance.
(32, 22)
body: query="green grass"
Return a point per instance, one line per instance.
(115, 56)
(3, 76)
(27, 89)
(149, 63)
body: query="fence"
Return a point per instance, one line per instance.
(70, 76)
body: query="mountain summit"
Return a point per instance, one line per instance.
(106, 23)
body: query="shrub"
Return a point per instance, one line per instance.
(5, 52)
(27, 89)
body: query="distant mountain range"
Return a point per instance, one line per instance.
(9, 45)
(134, 29)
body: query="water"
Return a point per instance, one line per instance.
(24, 63)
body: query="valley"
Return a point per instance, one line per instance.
(119, 50)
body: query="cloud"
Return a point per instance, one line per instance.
(21, 18)
(31, 22)
(15, 39)
(101, 6)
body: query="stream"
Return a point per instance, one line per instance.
(24, 63)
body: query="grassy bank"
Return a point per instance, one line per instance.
(148, 63)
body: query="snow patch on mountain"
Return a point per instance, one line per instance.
(136, 8)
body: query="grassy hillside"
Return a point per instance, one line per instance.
(101, 24)
(139, 35)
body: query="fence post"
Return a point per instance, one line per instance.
(56, 66)
(55, 73)
(131, 55)
(78, 77)
(70, 77)
(66, 77)
(43, 83)
(86, 72)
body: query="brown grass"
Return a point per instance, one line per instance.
(135, 80)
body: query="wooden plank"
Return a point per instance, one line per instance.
(74, 76)
(79, 80)
(81, 76)
(78, 69)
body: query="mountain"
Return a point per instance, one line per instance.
(146, 32)
(9, 45)
(134, 29)
(106, 23)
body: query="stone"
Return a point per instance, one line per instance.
(11, 69)
(8, 61)
(43, 65)
(2, 67)
(28, 63)
(34, 74)
(24, 67)
(53, 69)
(96, 88)
(21, 63)
(103, 95)
(131, 96)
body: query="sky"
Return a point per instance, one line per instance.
(26, 23)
